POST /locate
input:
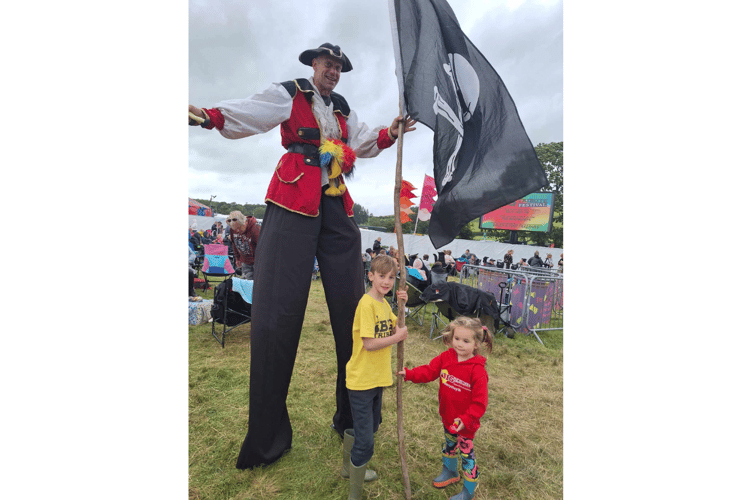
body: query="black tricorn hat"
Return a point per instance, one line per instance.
(307, 56)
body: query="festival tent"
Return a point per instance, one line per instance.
(421, 244)
(201, 217)
(196, 208)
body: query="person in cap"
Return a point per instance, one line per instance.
(309, 215)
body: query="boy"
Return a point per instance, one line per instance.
(370, 370)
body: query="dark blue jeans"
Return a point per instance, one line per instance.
(366, 413)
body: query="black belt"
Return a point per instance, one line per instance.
(310, 151)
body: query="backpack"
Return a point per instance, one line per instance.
(238, 310)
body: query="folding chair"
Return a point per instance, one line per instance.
(231, 307)
(414, 302)
(438, 275)
(216, 263)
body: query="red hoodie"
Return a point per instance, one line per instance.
(463, 391)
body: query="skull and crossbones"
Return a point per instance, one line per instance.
(465, 83)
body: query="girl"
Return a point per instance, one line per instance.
(463, 397)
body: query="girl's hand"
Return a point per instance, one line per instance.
(402, 372)
(456, 426)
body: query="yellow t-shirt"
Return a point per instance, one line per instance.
(369, 369)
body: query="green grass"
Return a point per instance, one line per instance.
(519, 446)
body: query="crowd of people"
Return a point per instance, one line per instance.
(241, 236)
(507, 262)
(444, 263)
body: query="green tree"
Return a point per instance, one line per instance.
(466, 233)
(361, 215)
(551, 156)
(223, 207)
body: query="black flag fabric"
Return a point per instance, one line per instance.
(482, 156)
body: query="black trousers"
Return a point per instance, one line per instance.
(284, 260)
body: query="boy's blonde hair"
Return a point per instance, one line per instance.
(481, 333)
(383, 264)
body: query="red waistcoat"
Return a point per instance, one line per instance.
(295, 185)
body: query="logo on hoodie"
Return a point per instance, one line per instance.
(453, 382)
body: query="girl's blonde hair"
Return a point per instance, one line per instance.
(480, 332)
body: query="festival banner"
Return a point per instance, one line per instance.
(534, 212)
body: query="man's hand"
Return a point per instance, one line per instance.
(409, 125)
(196, 111)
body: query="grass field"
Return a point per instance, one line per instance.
(519, 447)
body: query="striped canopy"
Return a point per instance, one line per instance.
(196, 208)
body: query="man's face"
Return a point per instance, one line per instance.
(326, 72)
(234, 223)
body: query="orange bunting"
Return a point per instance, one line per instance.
(405, 202)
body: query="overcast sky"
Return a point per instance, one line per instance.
(238, 48)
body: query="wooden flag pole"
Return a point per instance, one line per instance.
(400, 308)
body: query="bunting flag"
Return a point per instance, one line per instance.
(427, 198)
(482, 156)
(406, 195)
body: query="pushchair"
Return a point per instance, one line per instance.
(453, 299)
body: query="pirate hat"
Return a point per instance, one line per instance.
(307, 56)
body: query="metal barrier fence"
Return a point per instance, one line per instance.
(535, 295)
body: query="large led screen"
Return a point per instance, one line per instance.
(534, 212)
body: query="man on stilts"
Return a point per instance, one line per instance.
(309, 213)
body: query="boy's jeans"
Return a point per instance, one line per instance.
(366, 413)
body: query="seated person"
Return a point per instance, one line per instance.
(418, 266)
(206, 237)
(448, 259)
(465, 257)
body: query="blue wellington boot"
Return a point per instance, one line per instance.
(449, 474)
(468, 491)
